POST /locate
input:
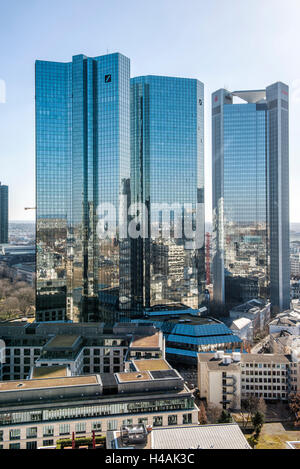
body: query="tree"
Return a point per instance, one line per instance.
(294, 404)
(225, 417)
(26, 298)
(258, 421)
(213, 413)
(262, 407)
(248, 408)
(202, 414)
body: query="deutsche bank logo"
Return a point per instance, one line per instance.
(107, 78)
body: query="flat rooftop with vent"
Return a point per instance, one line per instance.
(227, 436)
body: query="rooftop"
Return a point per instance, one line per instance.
(147, 342)
(133, 376)
(151, 365)
(42, 372)
(62, 341)
(215, 363)
(240, 323)
(251, 96)
(227, 436)
(47, 383)
(186, 318)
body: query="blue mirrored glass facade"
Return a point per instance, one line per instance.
(248, 221)
(82, 161)
(167, 167)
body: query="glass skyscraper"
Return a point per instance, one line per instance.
(251, 196)
(3, 214)
(167, 169)
(82, 161)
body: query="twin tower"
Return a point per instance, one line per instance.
(115, 152)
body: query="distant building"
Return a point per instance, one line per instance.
(287, 321)
(3, 214)
(284, 342)
(250, 153)
(23, 272)
(257, 310)
(295, 290)
(243, 328)
(11, 255)
(295, 265)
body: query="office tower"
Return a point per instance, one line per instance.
(250, 148)
(82, 162)
(3, 214)
(167, 168)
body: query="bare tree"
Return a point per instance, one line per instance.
(249, 407)
(262, 407)
(213, 413)
(202, 414)
(294, 403)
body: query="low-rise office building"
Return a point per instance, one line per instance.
(39, 412)
(82, 347)
(224, 380)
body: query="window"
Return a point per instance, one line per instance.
(48, 442)
(14, 446)
(80, 427)
(143, 420)
(186, 418)
(64, 429)
(127, 422)
(31, 445)
(31, 432)
(15, 434)
(97, 426)
(48, 430)
(172, 420)
(157, 421)
(112, 425)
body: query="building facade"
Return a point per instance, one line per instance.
(3, 214)
(224, 380)
(80, 348)
(53, 408)
(82, 162)
(251, 195)
(167, 176)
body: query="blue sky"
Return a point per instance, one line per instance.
(237, 44)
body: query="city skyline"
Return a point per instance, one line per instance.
(190, 56)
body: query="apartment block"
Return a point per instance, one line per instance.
(224, 380)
